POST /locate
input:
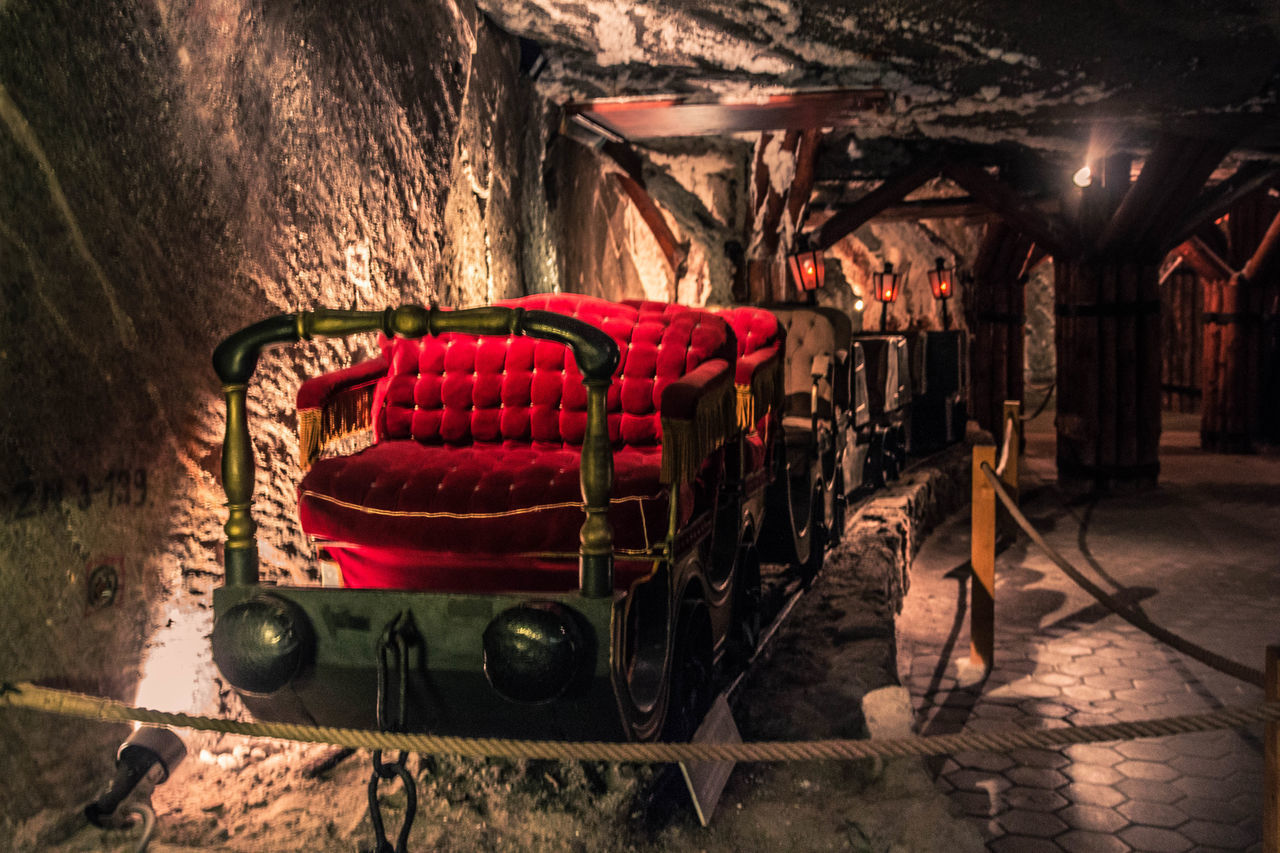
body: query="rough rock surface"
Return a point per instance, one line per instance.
(172, 172)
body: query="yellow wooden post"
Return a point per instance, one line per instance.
(982, 557)
(1271, 759)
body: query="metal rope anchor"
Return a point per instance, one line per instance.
(396, 642)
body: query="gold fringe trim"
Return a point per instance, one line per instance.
(686, 443)
(757, 399)
(345, 413)
(505, 513)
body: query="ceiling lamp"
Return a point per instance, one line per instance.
(1083, 176)
(942, 282)
(886, 285)
(807, 269)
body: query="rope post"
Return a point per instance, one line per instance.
(982, 558)
(1271, 757)
(1010, 453)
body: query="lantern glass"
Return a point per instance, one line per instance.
(942, 281)
(807, 270)
(886, 284)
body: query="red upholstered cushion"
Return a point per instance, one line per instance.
(431, 510)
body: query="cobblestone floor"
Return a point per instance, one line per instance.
(1200, 556)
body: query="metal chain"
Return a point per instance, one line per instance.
(395, 643)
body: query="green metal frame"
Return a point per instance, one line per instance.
(595, 352)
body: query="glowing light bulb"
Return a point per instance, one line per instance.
(858, 305)
(888, 293)
(1083, 177)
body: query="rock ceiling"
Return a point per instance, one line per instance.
(1055, 77)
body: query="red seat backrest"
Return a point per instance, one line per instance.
(462, 389)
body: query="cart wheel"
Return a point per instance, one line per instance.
(690, 693)
(818, 534)
(748, 621)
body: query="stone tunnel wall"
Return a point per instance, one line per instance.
(171, 172)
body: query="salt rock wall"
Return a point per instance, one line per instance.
(606, 248)
(173, 171)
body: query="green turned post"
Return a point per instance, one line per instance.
(595, 566)
(241, 548)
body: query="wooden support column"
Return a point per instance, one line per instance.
(995, 321)
(1108, 338)
(1181, 339)
(1238, 342)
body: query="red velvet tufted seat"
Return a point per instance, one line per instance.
(472, 482)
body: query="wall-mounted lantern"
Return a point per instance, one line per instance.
(886, 284)
(942, 281)
(807, 270)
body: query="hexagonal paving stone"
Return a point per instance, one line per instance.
(1045, 710)
(1092, 773)
(1093, 818)
(991, 761)
(1153, 814)
(1036, 777)
(1057, 679)
(1022, 844)
(1145, 698)
(1152, 770)
(977, 780)
(1212, 768)
(976, 803)
(1147, 749)
(1082, 841)
(1080, 668)
(1085, 693)
(1088, 753)
(1093, 795)
(1033, 799)
(1154, 839)
(1227, 811)
(1207, 744)
(1208, 789)
(1030, 757)
(1039, 824)
(1211, 834)
(1150, 790)
(1091, 719)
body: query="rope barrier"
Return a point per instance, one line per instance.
(1052, 386)
(1126, 612)
(1008, 442)
(29, 696)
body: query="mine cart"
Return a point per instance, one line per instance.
(825, 436)
(888, 366)
(544, 538)
(939, 409)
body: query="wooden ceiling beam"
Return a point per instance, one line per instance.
(652, 216)
(1207, 263)
(1172, 175)
(891, 191)
(1047, 229)
(1216, 201)
(1263, 266)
